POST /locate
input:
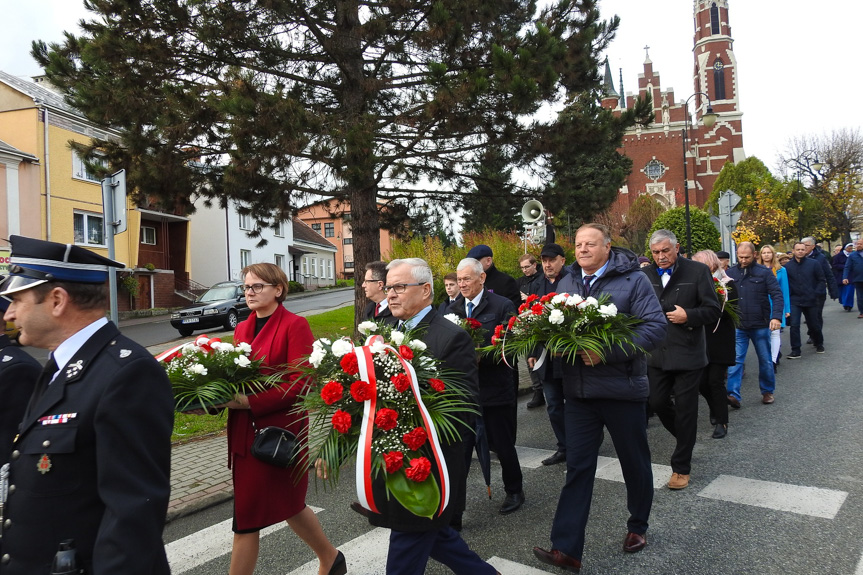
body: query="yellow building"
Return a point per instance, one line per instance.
(57, 199)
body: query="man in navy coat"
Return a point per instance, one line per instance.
(853, 273)
(806, 286)
(92, 458)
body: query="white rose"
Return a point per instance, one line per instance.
(591, 302)
(316, 357)
(417, 344)
(397, 337)
(609, 310)
(573, 300)
(244, 347)
(226, 348)
(555, 317)
(341, 347)
(367, 327)
(242, 361)
(559, 298)
(452, 317)
(378, 347)
(198, 369)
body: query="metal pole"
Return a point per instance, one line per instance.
(686, 191)
(799, 209)
(108, 227)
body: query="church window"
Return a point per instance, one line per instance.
(714, 19)
(718, 80)
(654, 169)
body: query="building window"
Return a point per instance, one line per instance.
(314, 267)
(349, 265)
(89, 229)
(80, 171)
(245, 222)
(148, 235)
(279, 230)
(316, 227)
(329, 230)
(330, 269)
(714, 19)
(305, 267)
(718, 80)
(245, 258)
(279, 260)
(348, 241)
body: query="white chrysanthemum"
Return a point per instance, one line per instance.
(452, 317)
(559, 298)
(244, 347)
(341, 347)
(573, 300)
(555, 317)
(377, 347)
(197, 368)
(367, 327)
(591, 302)
(227, 347)
(609, 310)
(397, 337)
(316, 357)
(242, 361)
(417, 344)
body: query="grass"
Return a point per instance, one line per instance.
(331, 324)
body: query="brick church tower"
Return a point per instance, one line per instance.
(657, 152)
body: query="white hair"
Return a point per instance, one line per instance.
(662, 235)
(472, 263)
(420, 270)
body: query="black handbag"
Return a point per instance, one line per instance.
(275, 446)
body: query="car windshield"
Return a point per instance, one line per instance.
(219, 293)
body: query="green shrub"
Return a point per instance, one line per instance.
(295, 287)
(705, 236)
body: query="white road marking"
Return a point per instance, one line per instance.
(507, 567)
(366, 554)
(531, 458)
(859, 570)
(609, 468)
(778, 496)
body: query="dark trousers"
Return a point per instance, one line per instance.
(811, 315)
(680, 418)
(500, 425)
(585, 420)
(554, 403)
(712, 388)
(409, 553)
(858, 287)
(819, 315)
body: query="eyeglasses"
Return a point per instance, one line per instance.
(371, 281)
(255, 288)
(400, 288)
(527, 267)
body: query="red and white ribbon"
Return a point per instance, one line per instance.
(201, 341)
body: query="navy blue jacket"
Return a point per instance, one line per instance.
(623, 374)
(854, 268)
(756, 287)
(806, 281)
(829, 279)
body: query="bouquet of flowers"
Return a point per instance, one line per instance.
(564, 324)
(471, 326)
(389, 403)
(208, 372)
(720, 286)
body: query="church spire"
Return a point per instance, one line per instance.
(622, 97)
(608, 83)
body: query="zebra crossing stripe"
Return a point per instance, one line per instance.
(812, 501)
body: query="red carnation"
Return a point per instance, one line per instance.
(341, 421)
(511, 323)
(522, 308)
(415, 439)
(394, 460)
(349, 363)
(436, 384)
(361, 391)
(386, 419)
(494, 340)
(537, 309)
(498, 331)
(419, 469)
(472, 323)
(332, 392)
(531, 298)
(406, 352)
(401, 382)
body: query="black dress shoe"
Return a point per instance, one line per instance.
(512, 502)
(340, 566)
(720, 431)
(558, 559)
(537, 400)
(558, 457)
(634, 542)
(355, 505)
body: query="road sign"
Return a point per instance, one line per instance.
(114, 198)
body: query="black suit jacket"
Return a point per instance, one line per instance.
(495, 378)
(18, 375)
(453, 346)
(690, 287)
(106, 467)
(502, 284)
(386, 315)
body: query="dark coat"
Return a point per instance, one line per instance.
(541, 286)
(806, 281)
(502, 284)
(443, 308)
(690, 287)
(495, 378)
(854, 268)
(819, 257)
(838, 266)
(18, 375)
(108, 483)
(386, 315)
(722, 336)
(525, 281)
(453, 346)
(757, 289)
(623, 374)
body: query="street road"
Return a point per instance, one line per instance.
(781, 494)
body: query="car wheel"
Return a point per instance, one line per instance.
(186, 331)
(231, 321)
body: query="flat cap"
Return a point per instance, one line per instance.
(723, 255)
(551, 250)
(480, 251)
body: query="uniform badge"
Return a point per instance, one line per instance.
(124, 353)
(73, 368)
(7, 358)
(43, 466)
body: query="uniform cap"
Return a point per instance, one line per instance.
(479, 252)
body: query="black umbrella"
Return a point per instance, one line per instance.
(482, 452)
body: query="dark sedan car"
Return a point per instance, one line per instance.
(223, 305)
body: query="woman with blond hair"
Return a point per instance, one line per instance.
(768, 258)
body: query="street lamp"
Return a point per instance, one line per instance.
(806, 163)
(708, 119)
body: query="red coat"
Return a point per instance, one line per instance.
(265, 494)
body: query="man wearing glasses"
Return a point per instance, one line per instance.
(373, 285)
(414, 539)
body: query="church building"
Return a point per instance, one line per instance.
(658, 151)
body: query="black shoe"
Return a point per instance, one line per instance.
(512, 502)
(793, 355)
(720, 431)
(819, 349)
(712, 420)
(340, 566)
(355, 505)
(847, 308)
(558, 457)
(809, 341)
(537, 400)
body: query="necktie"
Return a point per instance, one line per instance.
(469, 308)
(41, 384)
(377, 309)
(664, 276)
(664, 271)
(587, 280)
(400, 326)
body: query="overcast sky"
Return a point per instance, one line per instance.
(795, 58)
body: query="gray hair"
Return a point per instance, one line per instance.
(808, 240)
(474, 264)
(662, 235)
(420, 270)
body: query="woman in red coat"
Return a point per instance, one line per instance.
(264, 494)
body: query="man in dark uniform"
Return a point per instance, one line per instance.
(92, 459)
(373, 285)
(18, 375)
